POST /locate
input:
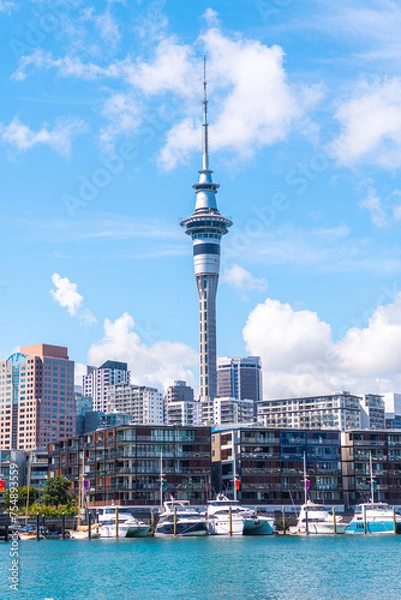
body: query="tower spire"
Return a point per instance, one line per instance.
(205, 126)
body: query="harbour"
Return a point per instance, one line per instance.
(209, 567)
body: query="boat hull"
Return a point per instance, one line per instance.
(222, 526)
(358, 527)
(258, 526)
(319, 529)
(183, 528)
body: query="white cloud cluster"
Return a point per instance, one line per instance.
(248, 78)
(20, 138)
(256, 105)
(241, 279)
(153, 363)
(370, 125)
(67, 296)
(300, 357)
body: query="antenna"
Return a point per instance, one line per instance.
(205, 126)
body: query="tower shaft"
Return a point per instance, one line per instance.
(206, 226)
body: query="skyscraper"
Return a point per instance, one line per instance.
(36, 397)
(206, 226)
(240, 377)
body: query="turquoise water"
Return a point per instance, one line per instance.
(215, 568)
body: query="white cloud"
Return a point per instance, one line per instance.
(300, 357)
(171, 70)
(241, 279)
(20, 137)
(108, 28)
(67, 296)
(246, 114)
(371, 125)
(374, 205)
(242, 74)
(124, 116)
(156, 363)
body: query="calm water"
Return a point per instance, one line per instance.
(215, 568)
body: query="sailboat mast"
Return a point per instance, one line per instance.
(372, 488)
(234, 470)
(305, 481)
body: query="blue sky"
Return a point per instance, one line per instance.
(100, 145)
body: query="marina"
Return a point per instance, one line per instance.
(208, 567)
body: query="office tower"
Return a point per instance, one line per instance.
(97, 380)
(240, 377)
(206, 226)
(145, 404)
(36, 397)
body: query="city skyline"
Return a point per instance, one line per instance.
(100, 137)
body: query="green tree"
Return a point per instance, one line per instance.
(22, 496)
(56, 491)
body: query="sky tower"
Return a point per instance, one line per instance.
(206, 226)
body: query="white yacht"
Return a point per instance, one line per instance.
(218, 516)
(188, 521)
(128, 525)
(374, 517)
(315, 519)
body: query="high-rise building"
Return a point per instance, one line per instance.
(240, 377)
(230, 411)
(206, 226)
(97, 380)
(339, 410)
(145, 404)
(181, 409)
(36, 397)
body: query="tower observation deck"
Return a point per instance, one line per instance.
(206, 226)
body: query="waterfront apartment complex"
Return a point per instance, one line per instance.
(339, 410)
(268, 463)
(36, 397)
(97, 380)
(123, 464)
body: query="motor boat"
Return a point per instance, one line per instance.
(374, 517)
(179, 517)
(218, 516)
(315, 519)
